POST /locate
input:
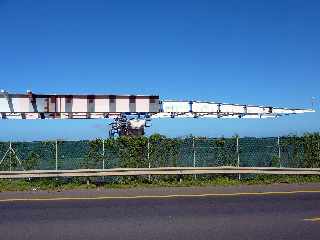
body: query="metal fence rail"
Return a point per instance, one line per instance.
(157, 171)
(156, 152)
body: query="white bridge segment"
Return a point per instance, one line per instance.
(62, 106)
(197, 109)
(51, 106)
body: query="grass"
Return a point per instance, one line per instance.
(131, 182)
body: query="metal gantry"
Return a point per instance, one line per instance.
(130, 113)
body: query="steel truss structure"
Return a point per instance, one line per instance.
(131, 113)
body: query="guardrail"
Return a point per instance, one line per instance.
(157, 171)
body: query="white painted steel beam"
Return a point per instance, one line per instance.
(197, 109)
(63, 106)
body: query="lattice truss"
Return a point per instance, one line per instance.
(42, 106)
(130, 112)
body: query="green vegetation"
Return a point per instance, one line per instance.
(160, 151)
(305, 149)
(185, 181)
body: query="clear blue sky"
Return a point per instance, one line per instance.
(251, 52)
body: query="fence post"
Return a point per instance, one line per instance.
(148, 157)
(10, 147)
(148, 153)
(103, 151)
(279, 151)
(194, 156)
(319, 150)
(238, 157)
(56, 155)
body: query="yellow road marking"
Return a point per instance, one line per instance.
(312, 219)
(158, 196)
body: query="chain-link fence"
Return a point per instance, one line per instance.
(159, 151)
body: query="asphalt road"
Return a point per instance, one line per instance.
(260, 217)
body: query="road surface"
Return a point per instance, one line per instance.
(249, 215)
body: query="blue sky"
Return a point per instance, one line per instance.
(251, 52)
